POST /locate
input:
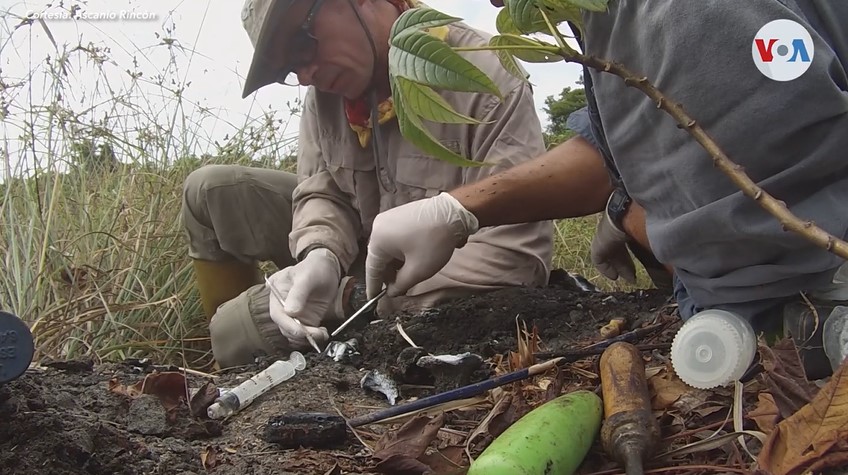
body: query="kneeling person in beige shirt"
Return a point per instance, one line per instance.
(314, 225)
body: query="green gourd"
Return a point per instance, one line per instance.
(552, 439)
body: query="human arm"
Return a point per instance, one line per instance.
(322, 214)
(323, 240)
(568, 181)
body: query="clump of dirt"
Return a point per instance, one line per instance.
(66, 420)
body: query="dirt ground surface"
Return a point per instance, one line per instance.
(79, 418)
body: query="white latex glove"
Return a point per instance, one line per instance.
(412, 242)
(310, 288)
(609, 252)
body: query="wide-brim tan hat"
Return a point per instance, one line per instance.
(265, 22)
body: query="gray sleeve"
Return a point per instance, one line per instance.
(579, 122)
(788, 136)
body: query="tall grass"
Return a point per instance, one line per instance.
(572, 248)
(94, 254)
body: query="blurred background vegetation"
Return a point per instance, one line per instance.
(94, 256)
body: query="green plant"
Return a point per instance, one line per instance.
(419, 62)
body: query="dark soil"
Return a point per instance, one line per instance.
(64, 419)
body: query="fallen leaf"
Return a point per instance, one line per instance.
(397, 451)
(399, 464)
(335, 470)
(169, 387)
(209, 457)
(555, 388)
(445, 459)
(666, 389)
(785, 378)
(765, 415)
(691, 401)
(528, 345)
(709, 410)
(447, 439)
(815, 437)
(205, 397)
(517, 408)
(502, 404)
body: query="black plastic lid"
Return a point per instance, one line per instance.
(16, 347)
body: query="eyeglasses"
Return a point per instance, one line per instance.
(303, 46)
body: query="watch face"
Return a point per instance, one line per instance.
(619, 200)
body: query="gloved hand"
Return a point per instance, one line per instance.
(412, 242)
(609, 252)
(310, 289)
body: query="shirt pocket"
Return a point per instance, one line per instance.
(349, 168)
(355, 174)
(421, 176)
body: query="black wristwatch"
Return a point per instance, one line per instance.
(617, 205)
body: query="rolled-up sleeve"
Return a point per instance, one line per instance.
(580, 124)
(322, 215)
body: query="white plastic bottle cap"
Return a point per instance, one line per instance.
(713, 348)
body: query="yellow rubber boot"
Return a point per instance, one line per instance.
(221, 281)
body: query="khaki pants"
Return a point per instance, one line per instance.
(244, 213)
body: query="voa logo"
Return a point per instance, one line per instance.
(782, 50)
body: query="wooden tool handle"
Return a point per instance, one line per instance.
(623, 381)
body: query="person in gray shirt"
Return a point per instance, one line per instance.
(658, 186)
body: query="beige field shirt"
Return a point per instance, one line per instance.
(343, 186)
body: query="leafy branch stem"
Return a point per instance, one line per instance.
(538, 49)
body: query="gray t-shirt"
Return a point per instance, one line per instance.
(791, 137)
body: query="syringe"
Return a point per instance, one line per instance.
(242, 395)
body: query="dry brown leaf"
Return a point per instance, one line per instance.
(692, 400)
(765, 415)
(397, 451)
(709, 409)
(501, 405)
(666, 388)
(517, 408)
(169, 387)
(209, 457)
(815, 437)
(785, 378)
(446, 439)
(555, 388)
(445, 460)
(334, 470)
(205, 397)
(528, 346)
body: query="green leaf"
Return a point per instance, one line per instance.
(591, 5)
(531, 53)
(430, 105)
(429, 60)
(504, 23)
(511, 65)
(523, 14)
(419, 19)
(527, 18)
(414, 130)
